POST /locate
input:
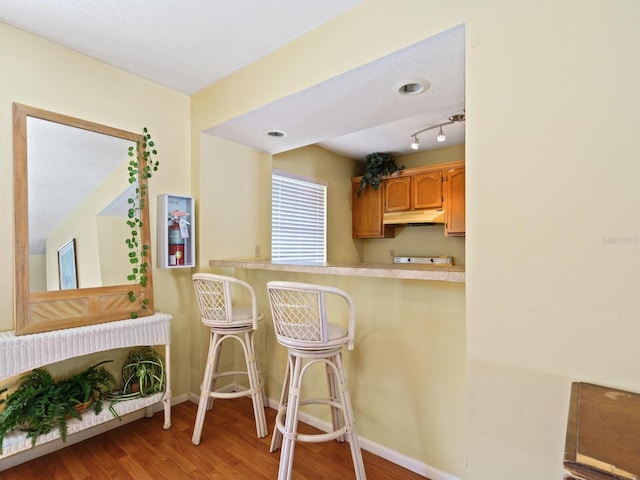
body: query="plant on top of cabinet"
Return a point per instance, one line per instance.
(143, 162)
(376, 166)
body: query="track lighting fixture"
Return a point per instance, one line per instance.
(459, 117)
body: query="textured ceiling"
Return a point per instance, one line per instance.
(361, 111)
(185, 45)
(191, 44)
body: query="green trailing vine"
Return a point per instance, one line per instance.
(142, 166)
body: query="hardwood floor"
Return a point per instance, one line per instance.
(229, 449)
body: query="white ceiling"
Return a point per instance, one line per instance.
(362, 111)
(185, 45)
(191, 44)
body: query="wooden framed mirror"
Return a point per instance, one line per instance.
(71, 184)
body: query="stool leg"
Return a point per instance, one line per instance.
(276, 440)
(291, 422)
(351, 433)
(255, 386)
(217, 341)
(205, 388)
(334, 397)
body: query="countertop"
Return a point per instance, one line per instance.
(437, 273)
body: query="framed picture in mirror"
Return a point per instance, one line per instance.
(67, 269)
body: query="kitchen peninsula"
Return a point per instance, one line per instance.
(447, 273)
(408, 368)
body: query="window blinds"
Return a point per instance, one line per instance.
(298, 219)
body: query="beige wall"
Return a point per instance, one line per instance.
(551, 249)
(552, 241)
(41, 74)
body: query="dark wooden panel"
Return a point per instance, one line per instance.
(603, 433)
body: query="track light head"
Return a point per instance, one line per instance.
(458, 117)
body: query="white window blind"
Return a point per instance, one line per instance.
(298, 219)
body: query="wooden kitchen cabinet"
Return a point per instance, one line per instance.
(397, 193)
(455, 203)
(413, 191)
(426, 190)
(366, 210)
(422, 188)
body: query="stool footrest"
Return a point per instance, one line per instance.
(312, 437)
(238, 394)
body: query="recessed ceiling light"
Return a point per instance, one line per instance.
(276, 133)
(413, 87)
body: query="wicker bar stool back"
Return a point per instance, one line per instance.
(300, 321)
(228, 321)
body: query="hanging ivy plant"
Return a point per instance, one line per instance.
(376, 166)
(142, 165)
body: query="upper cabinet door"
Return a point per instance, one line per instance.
(397, 193)
(455, 207)
(367, 213)
(426, 190)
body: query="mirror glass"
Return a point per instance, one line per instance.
(71, 191)
(76, 184)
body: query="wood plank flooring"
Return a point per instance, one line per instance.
(229, 449)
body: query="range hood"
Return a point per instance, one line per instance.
(414, 217)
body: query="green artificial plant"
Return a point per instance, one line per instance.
(143, 374)
(376, 166)
(142, 165)
(40, 403)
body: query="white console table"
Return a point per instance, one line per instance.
(19, 354)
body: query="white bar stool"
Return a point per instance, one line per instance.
(226, 321)
(300, 321)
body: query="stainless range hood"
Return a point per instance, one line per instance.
(414, 217)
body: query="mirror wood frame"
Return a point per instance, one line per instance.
(53, 310)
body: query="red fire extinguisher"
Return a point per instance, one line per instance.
(176, 243)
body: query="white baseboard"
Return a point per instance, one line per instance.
(392, 456)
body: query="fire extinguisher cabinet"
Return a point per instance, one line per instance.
(176, 231)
